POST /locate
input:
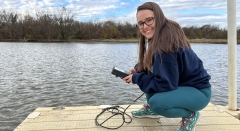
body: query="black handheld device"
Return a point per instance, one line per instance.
(119, 73)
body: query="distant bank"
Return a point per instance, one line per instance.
(214, 41)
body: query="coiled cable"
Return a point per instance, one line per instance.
(115, 110)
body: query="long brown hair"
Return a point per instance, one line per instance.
(168, 37)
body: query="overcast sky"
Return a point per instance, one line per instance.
(185, 12)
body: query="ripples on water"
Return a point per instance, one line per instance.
(36, 75)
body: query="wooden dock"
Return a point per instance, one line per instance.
(82, 118)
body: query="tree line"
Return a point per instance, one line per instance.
(62, 26)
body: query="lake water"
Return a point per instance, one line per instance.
(36, 75)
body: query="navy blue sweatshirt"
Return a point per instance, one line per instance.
(181, 68)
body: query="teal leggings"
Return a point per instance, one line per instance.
(180, 102)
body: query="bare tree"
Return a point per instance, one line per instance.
(65, 22)
(60, 25)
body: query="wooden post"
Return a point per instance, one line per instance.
(232, 55)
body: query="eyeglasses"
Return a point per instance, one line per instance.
(149, 21)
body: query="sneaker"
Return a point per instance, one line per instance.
(188, 124)
(145, 112)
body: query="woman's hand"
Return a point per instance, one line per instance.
(132, 71)
(128, 79)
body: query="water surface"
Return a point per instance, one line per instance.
(36, 75)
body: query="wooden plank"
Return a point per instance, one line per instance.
(213, 118)
(79, 116)
(198, 128)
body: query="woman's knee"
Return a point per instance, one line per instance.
(159, 107)
(163, 110)
(159, 103)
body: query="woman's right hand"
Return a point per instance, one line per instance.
(128, 79)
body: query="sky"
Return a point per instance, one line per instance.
(185, 12)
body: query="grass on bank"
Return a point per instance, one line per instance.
(213, 41)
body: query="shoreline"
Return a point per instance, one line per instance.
(213, 41)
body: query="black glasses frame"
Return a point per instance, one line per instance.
(141, 25)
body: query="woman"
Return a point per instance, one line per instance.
(168, 71)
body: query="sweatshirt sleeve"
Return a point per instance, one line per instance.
(164, 75)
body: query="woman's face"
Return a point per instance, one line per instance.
(146, 23)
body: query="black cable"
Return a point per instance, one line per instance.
(115, 111)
